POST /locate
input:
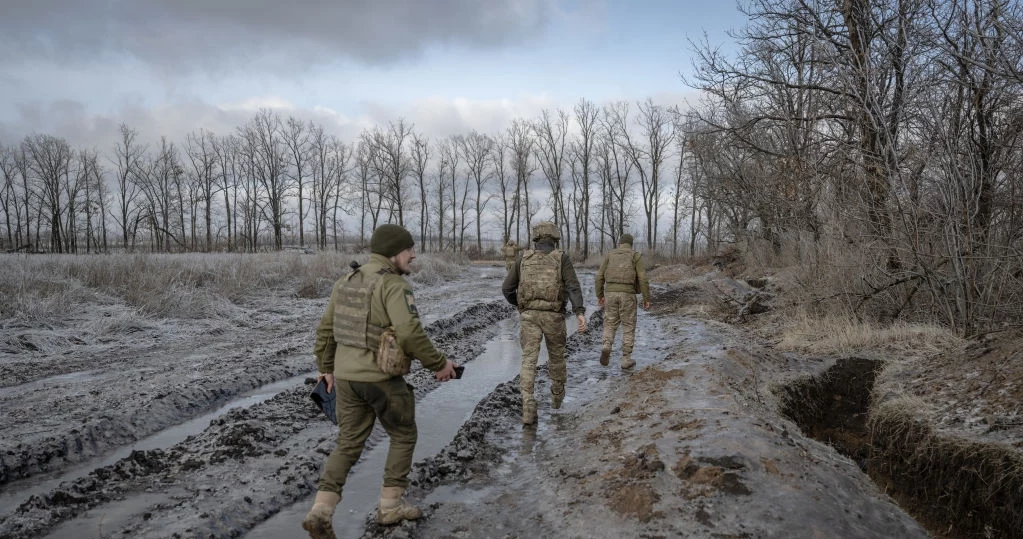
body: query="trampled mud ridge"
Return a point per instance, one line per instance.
(246, 466)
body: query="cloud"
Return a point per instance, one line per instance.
(187, 35)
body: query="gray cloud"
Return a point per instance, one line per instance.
(184, 35)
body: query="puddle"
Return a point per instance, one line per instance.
(15, 493)
(111, 516)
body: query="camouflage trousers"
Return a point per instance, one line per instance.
(508, 264)
(537, 326)
(359, 405)
(619, 308)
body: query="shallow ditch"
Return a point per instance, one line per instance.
(955, 488)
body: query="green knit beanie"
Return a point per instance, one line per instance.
(626, 238)
(389, 240)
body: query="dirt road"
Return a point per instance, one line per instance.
(688, 444)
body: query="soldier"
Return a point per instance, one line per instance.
(536, 284)
(510, 250)
(623, 271)
(363, 306)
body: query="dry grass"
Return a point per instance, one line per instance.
(42, 288)
(841, 333)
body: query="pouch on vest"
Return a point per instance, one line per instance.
(391, 359)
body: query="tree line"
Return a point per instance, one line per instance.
(277, 177)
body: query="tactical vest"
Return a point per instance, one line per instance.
(351, 310)
(620, 268)
(509, 251)
(540, 280)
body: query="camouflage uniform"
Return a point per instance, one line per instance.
(537, 283)
(346, 346)
(509, 251)
(623, 272)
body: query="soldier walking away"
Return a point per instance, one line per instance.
(509, 251)
(536, 284)
(621, 276)
(372, 305)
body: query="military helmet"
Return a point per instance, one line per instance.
(546, 229)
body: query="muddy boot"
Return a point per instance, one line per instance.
(320, 520)
(557, 394)
(393, 508)
(627, 362)
(605, 356)
(529, 412)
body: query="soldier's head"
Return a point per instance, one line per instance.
(511, 243)
(546, 231)
(625, 239)
(395, 243)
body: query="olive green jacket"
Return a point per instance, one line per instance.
(391, 304)
(641, 279)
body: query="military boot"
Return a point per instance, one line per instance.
(320, 520)
(529, 413)
(605, 356)
(393, 508)
(627, 362)
(557, 394)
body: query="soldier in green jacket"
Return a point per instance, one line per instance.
(537, 284)
(623, 272)
(373, 297)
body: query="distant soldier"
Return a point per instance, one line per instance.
(536, 284)
(509, 251)
(622, 270)
(366, 306)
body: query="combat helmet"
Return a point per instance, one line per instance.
(546, 229)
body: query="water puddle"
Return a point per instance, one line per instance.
(17, 492)
(111, 516)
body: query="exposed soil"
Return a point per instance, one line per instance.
(704, 439)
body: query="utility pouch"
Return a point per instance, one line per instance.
(391, 359)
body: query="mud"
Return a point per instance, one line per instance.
(689, 444)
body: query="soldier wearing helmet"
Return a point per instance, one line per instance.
(537, 284)
(621, 276)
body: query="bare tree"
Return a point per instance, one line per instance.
(523, 164)
(551, 140)
(586, 116)
(477, 149)
(296, 138)
(201, 148)
(393, 165)
(265, 145)
(420, 156)
(49, 159)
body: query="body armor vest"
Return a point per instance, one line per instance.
(351, 311)
(620, 269)
(509, 251)
(540, 280)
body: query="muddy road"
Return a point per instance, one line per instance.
(203, 428)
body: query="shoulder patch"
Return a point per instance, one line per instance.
(410, 302)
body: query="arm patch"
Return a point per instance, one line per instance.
(410, 302)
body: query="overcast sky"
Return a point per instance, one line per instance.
(78, 68)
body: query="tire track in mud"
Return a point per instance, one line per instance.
(246, 466)
(140, 414)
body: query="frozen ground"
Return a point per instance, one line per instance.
(203, 428)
